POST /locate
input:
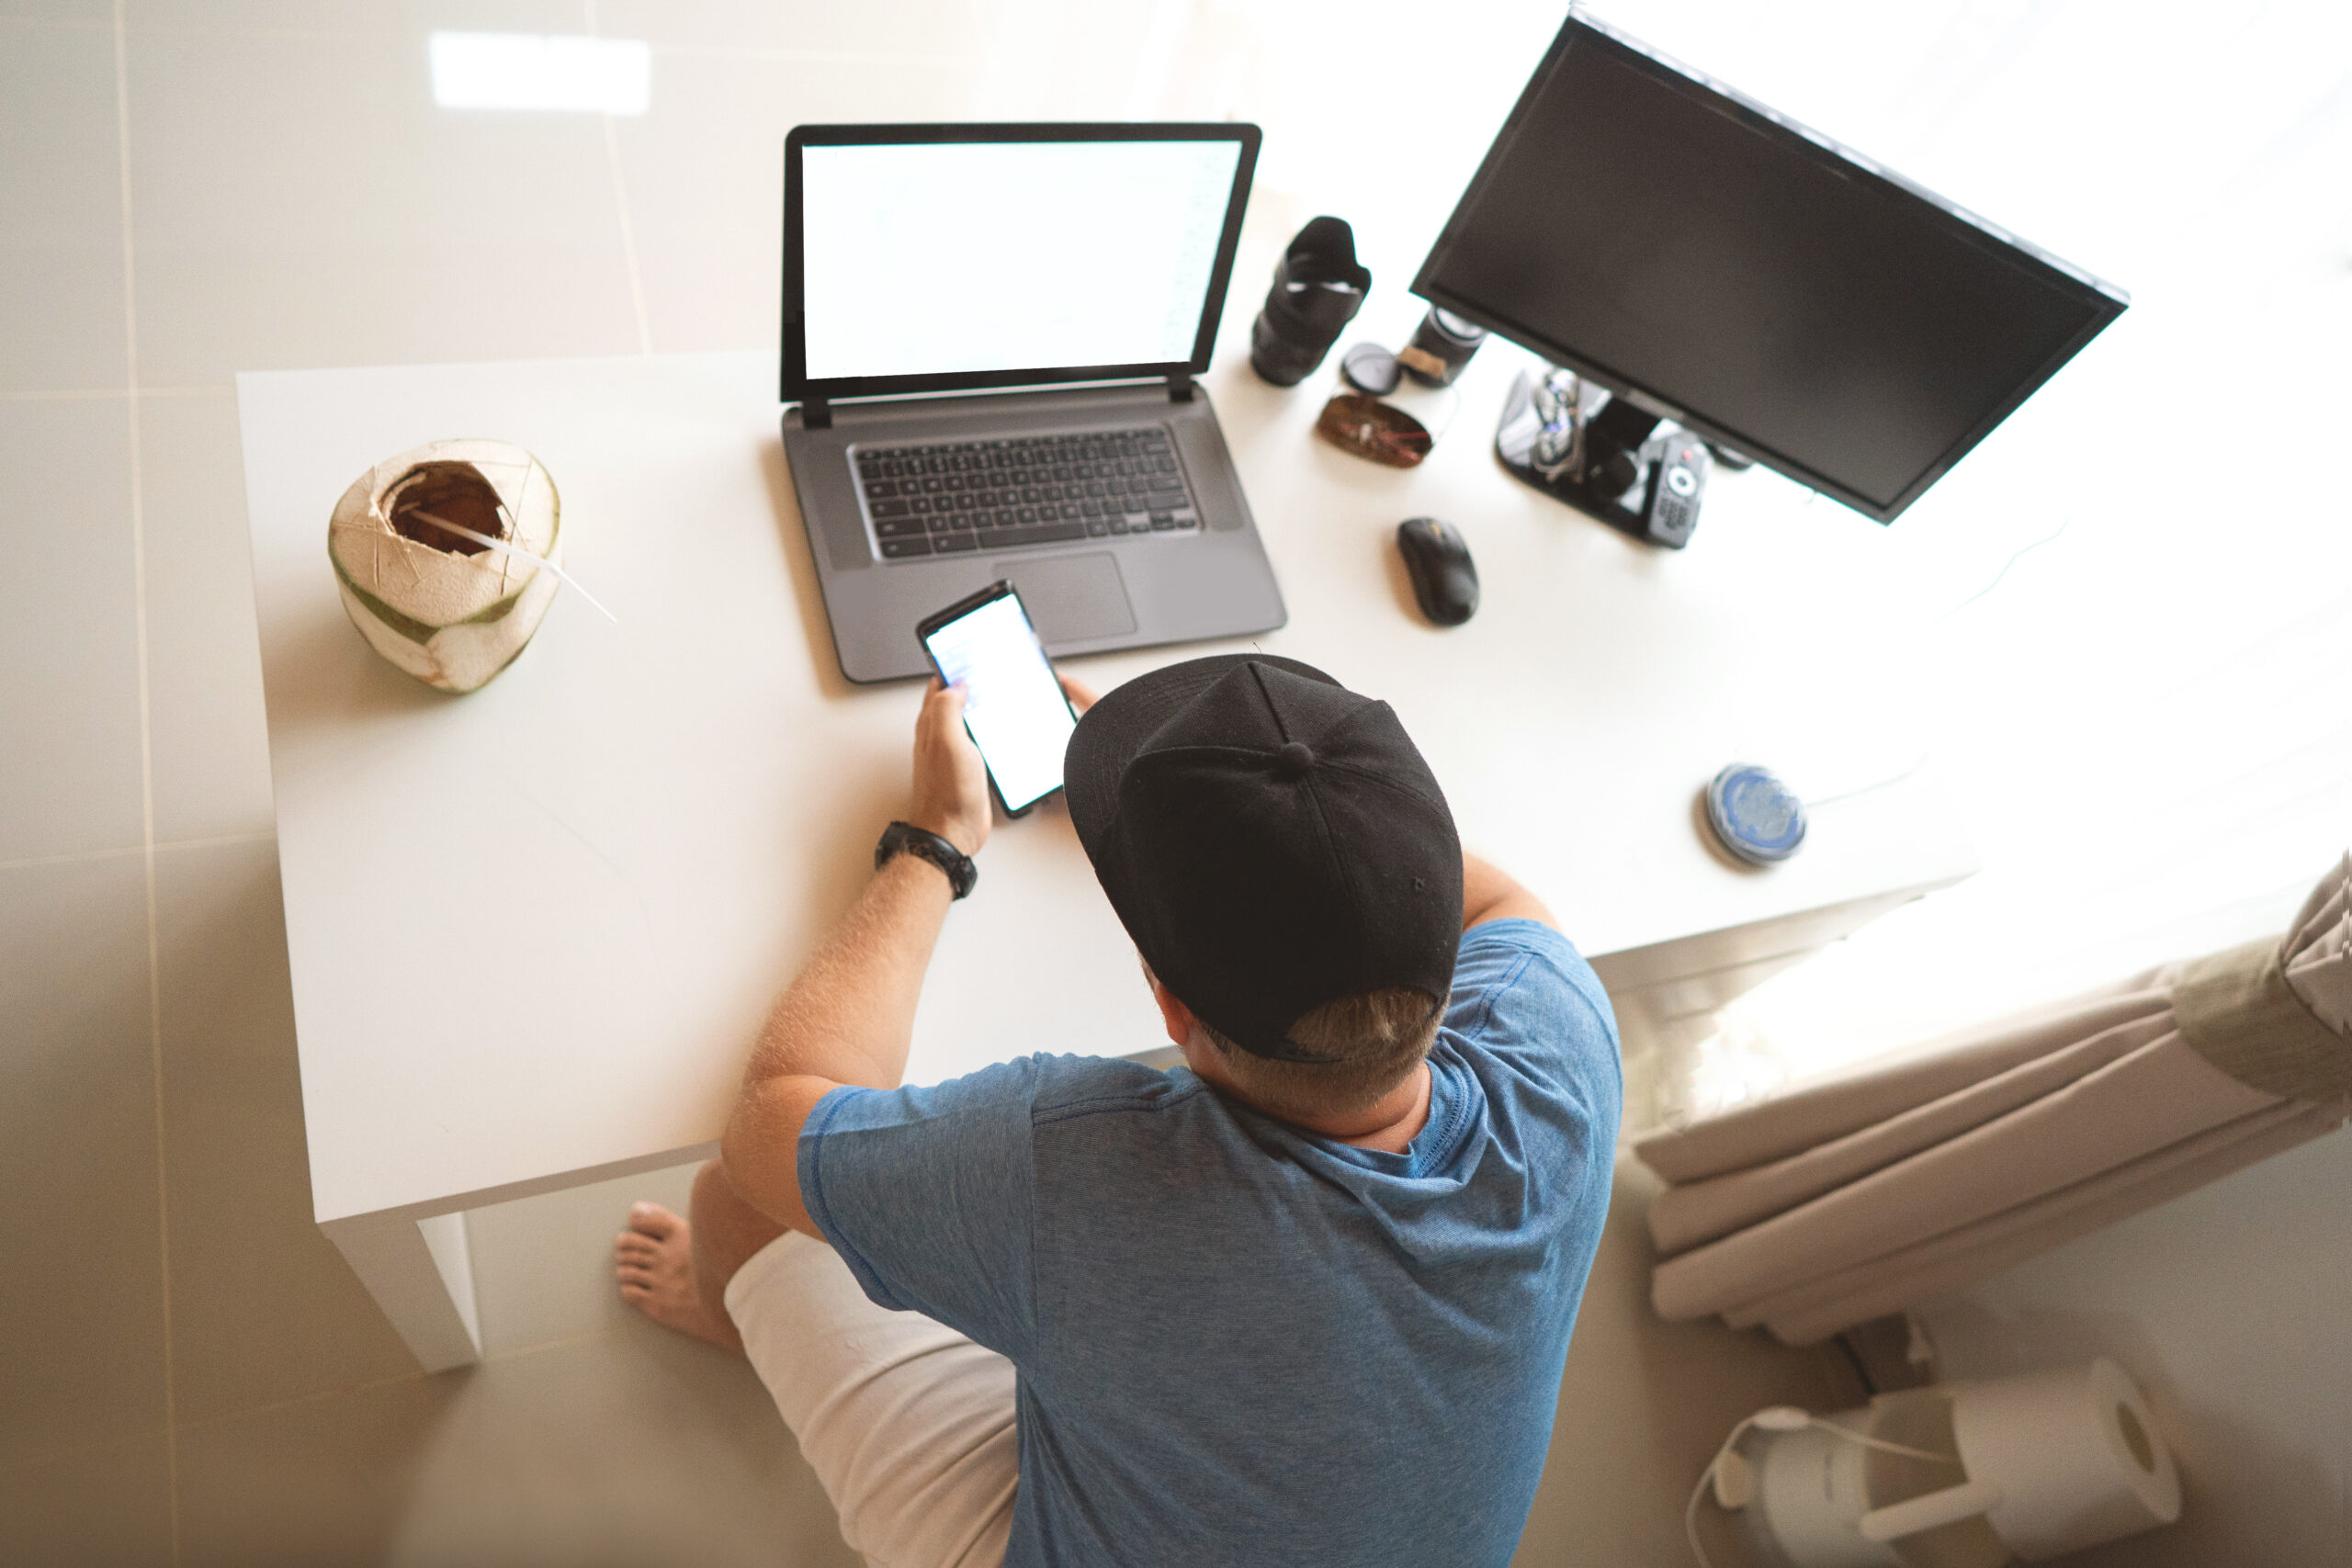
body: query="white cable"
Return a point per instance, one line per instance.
(1917, 763)
(1690, 1509)
(2047, 538)
(1998, 577)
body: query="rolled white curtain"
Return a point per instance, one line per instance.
(1823, 1208)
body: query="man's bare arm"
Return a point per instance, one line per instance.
(1488, 894)
(846, 1020)
(849, 1016)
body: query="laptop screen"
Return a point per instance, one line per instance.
(927, 263)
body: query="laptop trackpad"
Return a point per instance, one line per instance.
(1071, 598)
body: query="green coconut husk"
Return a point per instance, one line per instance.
(450, 611)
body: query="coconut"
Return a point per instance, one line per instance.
(450, 609)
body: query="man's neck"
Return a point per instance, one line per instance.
(1389, 1123)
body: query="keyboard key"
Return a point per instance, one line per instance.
(1070, 509)
(1161, 522)
(890, 509)
(953, 544)
(1186, 520)
(900, 549)
(921, 503)
(965, 520)
(897, 527)
(941, 521)
(1096, 528)
(1056, 534)
(1028, 514)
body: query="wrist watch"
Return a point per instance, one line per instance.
(905, 838)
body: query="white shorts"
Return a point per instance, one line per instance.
(908, 1423)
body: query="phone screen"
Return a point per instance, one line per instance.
(1012, 703)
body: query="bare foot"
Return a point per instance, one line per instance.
(654, 1260)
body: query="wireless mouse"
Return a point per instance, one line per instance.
(1437, 560)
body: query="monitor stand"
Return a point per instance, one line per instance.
(1603, 456)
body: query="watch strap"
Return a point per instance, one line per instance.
(905, 838)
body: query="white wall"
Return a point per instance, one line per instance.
(2233, 1307)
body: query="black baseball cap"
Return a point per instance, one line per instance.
(1272, 841)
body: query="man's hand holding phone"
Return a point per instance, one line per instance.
(951, 781)
(1015, 708)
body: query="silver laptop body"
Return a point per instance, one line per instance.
(928, 270)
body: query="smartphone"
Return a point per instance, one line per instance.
(1014, 708)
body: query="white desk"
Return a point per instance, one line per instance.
(533, 929)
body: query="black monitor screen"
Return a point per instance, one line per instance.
(1770, 290)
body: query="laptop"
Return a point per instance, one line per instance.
(991, 334)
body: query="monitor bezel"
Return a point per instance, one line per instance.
(797, 386)
(2106, 302)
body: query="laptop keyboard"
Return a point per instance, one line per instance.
(957, 497)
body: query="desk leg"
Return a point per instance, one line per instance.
(419, 1273)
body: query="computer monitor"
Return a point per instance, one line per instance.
(1749, 279)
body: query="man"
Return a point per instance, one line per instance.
(1305, 1301)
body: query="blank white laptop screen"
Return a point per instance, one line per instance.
(947, 258)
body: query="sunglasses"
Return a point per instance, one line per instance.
(1358, 422)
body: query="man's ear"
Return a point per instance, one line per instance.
(1173, 1013)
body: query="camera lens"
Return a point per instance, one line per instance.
(1442, 345)
(1317, 290)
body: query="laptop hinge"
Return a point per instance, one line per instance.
(1179, 388)
(816, 414)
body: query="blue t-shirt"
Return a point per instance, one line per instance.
(1239, 1342)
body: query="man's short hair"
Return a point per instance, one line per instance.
(1373, 1041)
